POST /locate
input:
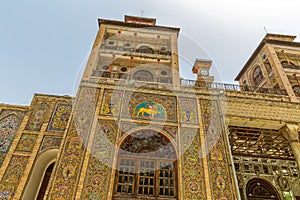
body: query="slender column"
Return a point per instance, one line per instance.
(290, 132)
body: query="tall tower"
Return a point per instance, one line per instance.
(275, 66)
(135, 131)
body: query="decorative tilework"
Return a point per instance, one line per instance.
(188, 110)
(60, 117)
(150, 110)
(68, 169)
(127, 126)
(50, 142)
(100, 164)
(38, 116)
(6, 112)
(8, 128)
(218, 166)
(64, 184)
(27, 142)
(132, 100)
(84, 111)
(192, 175)
(12, 176)
(2, 157)
(111, 102)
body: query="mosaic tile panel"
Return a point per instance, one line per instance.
(60, 117)
(111, 104)
(6, 112)
(50, 142)
(188, 110)
(150, 107)
(8, 128)
(68, 169)
(12, 176)
(192, 175)
(97, 179)
(27, 142)
(38, 116)
(67, 175)
(2, 157)
(84, 111)
(217, 162)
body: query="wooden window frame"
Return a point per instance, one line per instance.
(135, 194)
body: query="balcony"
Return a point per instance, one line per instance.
(232, 87)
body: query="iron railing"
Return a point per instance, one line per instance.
(231, 87)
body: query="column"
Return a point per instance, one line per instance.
(290, 132)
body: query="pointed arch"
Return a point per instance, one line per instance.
(38, 172)
(9, 125)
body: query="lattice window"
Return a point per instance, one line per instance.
(146, 167)
(263, 143)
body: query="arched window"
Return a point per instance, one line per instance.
(45, 182)
(260, 189)
(296, 89)
(146, 167)
(143, 75)
(257, 75)
(145, 49)
(286, 64)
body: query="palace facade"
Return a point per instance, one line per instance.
(136, 130)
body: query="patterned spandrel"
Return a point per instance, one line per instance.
(50, 142)
(60, 117)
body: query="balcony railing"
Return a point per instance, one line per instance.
(189, 83)
(231, 87)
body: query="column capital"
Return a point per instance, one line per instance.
(290, 132)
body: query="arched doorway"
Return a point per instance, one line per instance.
(146, 167)
(39, 174)
(258, 189)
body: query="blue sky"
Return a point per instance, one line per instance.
(44, 44)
